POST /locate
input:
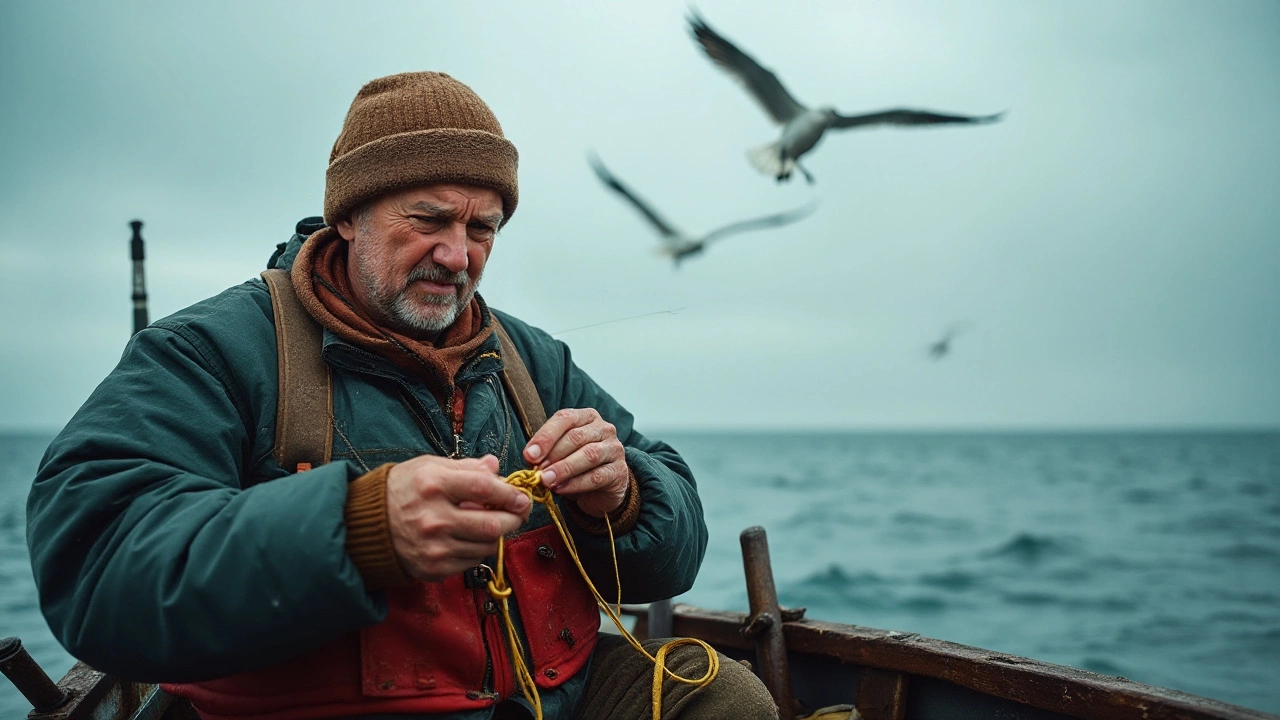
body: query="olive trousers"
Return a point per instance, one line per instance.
(620, 686)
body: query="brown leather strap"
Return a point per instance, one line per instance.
(304, 406)
(304, 403)
(524, 395)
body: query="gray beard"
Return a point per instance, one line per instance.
(404, 310)
(401, 310)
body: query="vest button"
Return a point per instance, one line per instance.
(551, 673)
(491, 606)
(547, 552)
(567, 635)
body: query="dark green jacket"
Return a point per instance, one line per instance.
(162, 553)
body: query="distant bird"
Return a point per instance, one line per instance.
(802, 127)
(939, 349)
(676, 244)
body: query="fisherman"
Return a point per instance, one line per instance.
(169, 544)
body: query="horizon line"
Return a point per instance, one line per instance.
(1024, 429)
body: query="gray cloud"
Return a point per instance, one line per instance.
(1112, 243)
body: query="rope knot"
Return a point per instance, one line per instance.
(529, 482)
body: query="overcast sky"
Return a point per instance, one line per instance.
(1112, 247)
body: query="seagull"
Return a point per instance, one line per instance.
(802, 127)
(939, 349)
(676, 244)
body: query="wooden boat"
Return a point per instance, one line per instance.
(837, 670)
(809, 666)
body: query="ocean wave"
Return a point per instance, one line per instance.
(835, 577)
(1039, 598)
(953, 580)
(1247, 551)
(1142, 496)
(1253, 489)
(915, 519)
(824, 514)
(834, 588)
(1271, 634)
(1030, 549)
(1160, 631)
(1101, 666)
(19, 606)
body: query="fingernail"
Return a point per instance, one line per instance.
(522, 503)
(535, 452)
(548, 477)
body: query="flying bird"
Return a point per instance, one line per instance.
(940, 348)
(802, 127)
(676, 244)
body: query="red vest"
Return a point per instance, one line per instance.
(442, 648)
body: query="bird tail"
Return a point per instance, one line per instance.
(768, 159)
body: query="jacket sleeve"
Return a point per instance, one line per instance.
(154, 557)
(660, 557)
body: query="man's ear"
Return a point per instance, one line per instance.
(346, 229)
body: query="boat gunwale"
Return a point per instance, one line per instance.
(1056, 688)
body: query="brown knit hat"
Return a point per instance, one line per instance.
(417, 129)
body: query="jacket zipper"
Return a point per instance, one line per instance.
(458, 412)
(487, 686)
(457, 415)
(420, 416)
(458, 408)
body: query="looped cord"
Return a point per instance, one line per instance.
(529, 482)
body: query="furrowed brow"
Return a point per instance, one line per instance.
(422, 206)
(425, 207)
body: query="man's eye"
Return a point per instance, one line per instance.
(425, 219)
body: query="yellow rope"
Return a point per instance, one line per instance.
(529, 482)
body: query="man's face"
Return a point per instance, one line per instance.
(415, 256)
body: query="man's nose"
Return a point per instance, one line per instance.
(451, 251)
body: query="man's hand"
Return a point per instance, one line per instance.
(447, 515)
(580, 457)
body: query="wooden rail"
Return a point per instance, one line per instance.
(1056, 688)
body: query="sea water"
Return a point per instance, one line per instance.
(1151, 556)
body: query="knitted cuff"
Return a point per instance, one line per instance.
(369, 533)
(622, 520)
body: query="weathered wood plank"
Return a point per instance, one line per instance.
(882, 695)
(766, 629)
(1061, 689)
(87, 688)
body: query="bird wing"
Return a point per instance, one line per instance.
(904, 116)
(783, 218)
(669, 233)
(763, 85)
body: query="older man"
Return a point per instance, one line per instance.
(171, 543)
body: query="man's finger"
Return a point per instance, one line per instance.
(485, 526)
(485, 489)
(580, 437)
(580, 462)
(553, 429)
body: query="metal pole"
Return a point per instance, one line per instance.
(765, 622)
(139, 282)
(29, 678)
(660, 620)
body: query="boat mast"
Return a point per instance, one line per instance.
(139, 283)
